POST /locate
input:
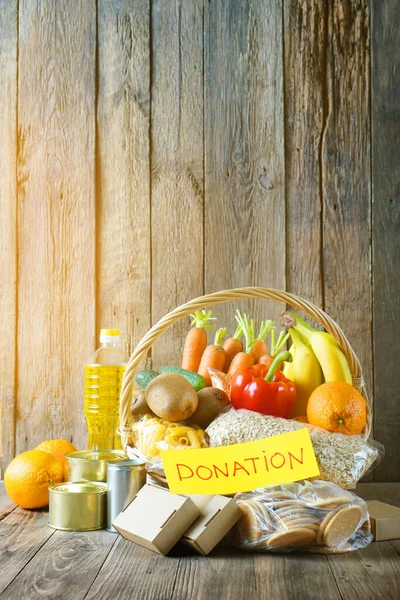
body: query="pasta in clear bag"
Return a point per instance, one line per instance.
(151, 434)
(313, 516)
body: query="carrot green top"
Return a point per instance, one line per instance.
(265, 328)
(247, 328)
(219, 336)
(281, 341)
(202, 319)
(238, 333)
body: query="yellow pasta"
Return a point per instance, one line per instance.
(178, 431)
(193, 439)
(158, 433)
(200, 436)
(152, 434)
(171, 441)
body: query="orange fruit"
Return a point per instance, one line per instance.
(58, 449)
(337, 406)
(28, 477)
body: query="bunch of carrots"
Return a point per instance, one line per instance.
(232, 354)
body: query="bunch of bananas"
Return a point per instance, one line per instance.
(317, 357)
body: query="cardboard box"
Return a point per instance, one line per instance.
(218, 515)
(156, 519)
(385, 520)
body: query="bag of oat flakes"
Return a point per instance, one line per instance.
(342, 459)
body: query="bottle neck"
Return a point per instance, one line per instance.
(110, 345)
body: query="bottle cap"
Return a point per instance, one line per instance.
(109, 335)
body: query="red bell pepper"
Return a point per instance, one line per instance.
(264, 390)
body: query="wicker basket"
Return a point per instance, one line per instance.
(219, 298)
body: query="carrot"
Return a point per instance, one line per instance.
(245, 358)
(196, 340)
(260, 347)
(213, 356)
(242, 359)
(232, 346)
(268, 359)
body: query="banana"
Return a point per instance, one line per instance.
(304, 371)
(288, 369)
(328, 352)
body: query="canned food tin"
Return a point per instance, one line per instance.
(89, 465)
(79, 506)
(124, 480)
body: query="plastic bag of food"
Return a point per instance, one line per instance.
(314, 516)
(221, 381)
(342, 459)
(154, 467)
(151, 434)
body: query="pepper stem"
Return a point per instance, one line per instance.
(282, 356)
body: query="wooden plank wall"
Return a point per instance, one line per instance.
(385, 113)
(8, 225)
(155, 150)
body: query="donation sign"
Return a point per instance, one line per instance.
(241, 467)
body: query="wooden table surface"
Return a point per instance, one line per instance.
(39, 562)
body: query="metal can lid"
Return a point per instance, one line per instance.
(79, 487)
(125, 464)
(104, 455)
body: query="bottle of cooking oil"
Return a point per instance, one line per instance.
(103, 378)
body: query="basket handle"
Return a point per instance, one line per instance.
(245, 293)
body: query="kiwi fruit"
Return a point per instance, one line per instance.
(211, 401)
(171, 397)
(139, 405)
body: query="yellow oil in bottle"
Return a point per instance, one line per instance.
(103, 378)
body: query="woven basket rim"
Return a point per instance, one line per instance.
(221, 297)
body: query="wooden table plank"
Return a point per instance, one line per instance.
(38, 562)
(22, 534)
(369, 574)
(225, 573)
(131, 571)
(294, 576)
(65, 567)
(6, 505)
(396, 545)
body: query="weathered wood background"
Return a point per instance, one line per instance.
(155, 150)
